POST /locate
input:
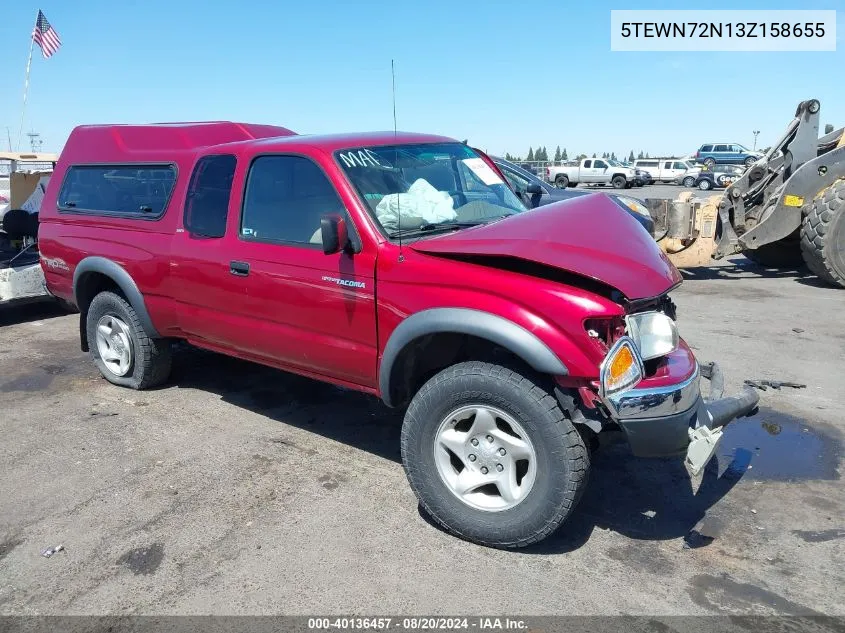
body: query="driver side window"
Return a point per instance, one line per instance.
(516, 182)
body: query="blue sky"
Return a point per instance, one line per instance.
(503, 74)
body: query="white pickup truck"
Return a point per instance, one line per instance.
(593, 171)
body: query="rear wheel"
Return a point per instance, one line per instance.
(709, 162)
(619, 182)
(562, 182)
(491, 456)
(705, 185)
(823, 235)
(750, 161)
(123, 352)
(689, 181)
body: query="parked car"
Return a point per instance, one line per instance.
(535, 192)
(662, 169)
(401, 266)
(710, 154)
(592, 171)
(720, 177)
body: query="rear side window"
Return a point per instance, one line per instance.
(286, 196)
(207, 202)
(588, 163)
(120, 190)
(706, 148)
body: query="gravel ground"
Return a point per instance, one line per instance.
(237, 489)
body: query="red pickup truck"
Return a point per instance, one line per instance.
(400, 265)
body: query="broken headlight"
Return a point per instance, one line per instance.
(654, 333)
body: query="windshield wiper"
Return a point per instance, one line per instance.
(436, 226)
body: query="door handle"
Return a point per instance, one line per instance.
(241, 269)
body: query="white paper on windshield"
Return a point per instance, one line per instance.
(483, 171)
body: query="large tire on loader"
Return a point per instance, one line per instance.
(785, 253)
(823, 235)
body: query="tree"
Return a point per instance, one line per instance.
(828, 128)
(581, 157)
(563, 156)
(508, 156)
(631, 157)
(612, 155)
(640, 155)
(557, 154)
(594, 154)
(646, 155)
(530, 154)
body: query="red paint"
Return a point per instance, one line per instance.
(286, 315)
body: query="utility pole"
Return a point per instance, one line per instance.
(9, 137)
(756, 132)
(35, 141)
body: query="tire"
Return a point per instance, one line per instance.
(823, 235)
(689, 181)
(709, 163)
(785, 253)
(705, 185)
(750, 161)
(619, 182)
(560, 458)
(149, 359)
(561, 182)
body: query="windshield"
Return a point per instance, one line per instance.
(615, 163)
(425, 187)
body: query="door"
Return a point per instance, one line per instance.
(300, 307)
(667, 170)
(201, 285)
(600, 171)
(722, 154)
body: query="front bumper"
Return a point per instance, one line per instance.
(677, 419)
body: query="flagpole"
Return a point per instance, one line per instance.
(26, 88)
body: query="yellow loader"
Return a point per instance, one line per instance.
(788, 208)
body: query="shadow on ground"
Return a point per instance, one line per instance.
(16, 314)
(641, 499)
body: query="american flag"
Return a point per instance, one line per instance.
(45, 36)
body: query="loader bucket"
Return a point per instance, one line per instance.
(686, 227)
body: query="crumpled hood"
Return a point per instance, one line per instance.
(590, 236)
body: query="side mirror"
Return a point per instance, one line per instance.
(334, 233)
(534, 189)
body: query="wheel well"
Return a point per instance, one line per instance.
(429, 354)
(89, 286)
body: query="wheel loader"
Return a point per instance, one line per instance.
(788, 208)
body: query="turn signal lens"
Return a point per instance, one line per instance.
(622, 368)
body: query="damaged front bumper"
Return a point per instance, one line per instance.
(678, 419)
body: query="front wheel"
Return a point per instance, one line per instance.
(619, 182)
(491, 457)
(750, 161)
(123, 352)
(823, 235)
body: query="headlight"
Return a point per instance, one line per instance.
(634, 205)
(621, 368)
(654, 333)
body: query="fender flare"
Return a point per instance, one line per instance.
(124, 281)
(484, 325)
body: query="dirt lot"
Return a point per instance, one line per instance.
(239, 489)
